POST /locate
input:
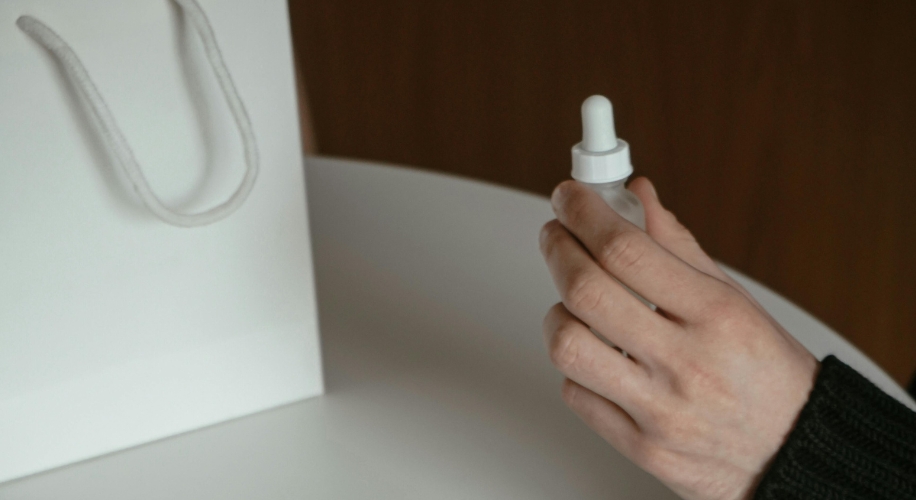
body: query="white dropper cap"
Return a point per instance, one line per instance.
(600, 157)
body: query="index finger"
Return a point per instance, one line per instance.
(631, 255)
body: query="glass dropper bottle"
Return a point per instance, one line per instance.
(602, 161)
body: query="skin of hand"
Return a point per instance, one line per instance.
(711, 386)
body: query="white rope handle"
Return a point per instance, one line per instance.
(115, 139)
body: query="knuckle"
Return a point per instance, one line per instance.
(656, 416)
(724, 306)
(584, 293)
(564, 346)
(675, 431)
(624, 250)
(621, 383)
(699, 382)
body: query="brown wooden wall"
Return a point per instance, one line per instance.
(781, 132)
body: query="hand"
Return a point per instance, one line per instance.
(712, 385)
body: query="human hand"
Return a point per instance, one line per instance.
(712, 385)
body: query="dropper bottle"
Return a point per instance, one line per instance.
(602, 161)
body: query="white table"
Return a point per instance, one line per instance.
(431, 292)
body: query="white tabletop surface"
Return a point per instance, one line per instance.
(431, 293)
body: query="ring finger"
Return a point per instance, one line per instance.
(584, 358)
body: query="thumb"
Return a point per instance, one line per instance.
(665, 229)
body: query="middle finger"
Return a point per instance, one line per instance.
(591, 294)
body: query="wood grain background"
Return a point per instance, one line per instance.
(780, 132)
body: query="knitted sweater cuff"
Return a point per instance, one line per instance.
(851, 441)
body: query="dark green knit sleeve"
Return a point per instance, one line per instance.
(851, 441)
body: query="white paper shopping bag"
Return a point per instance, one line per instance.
(155, 266)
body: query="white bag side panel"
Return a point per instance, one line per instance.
(115, 328)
